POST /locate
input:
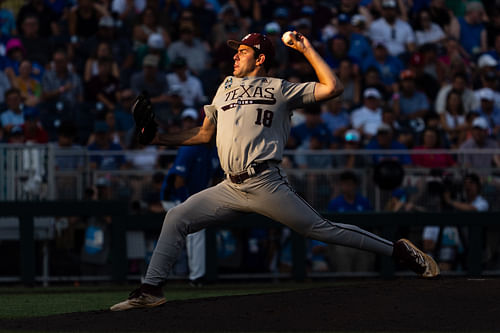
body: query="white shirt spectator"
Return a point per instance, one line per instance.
(366, 120)
(496, 97)
(196, 54)
(434, 34)
(454, 121)
(395, 37)
(190, 90)
(470, 101)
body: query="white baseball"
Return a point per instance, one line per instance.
(287, 37)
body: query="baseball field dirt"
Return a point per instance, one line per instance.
(442, 305)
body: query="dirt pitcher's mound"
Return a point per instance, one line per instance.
(397, 305)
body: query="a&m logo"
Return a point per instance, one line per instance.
(228, 83)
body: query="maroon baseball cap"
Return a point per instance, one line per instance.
(260, 43)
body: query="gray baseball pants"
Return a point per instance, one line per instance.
(268, 194)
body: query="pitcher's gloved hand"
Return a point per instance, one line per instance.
(145, 124)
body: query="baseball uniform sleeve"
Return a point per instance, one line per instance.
(298, 94)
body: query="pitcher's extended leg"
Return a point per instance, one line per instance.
(216, 204)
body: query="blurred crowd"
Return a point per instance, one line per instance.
(418, 75)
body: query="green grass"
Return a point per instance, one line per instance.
(35, 302)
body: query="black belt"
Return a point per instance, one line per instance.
(239, 178)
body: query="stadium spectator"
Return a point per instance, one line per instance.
(191, 48)
(454, 59)
(495, 51)
(428, 31)
(123, 115)
(189, 86)
(60, 84)
(8, 26)
(103, 87)
(431, 140)
(149, 25)
(489, 111)
(470, 30)
(388, 66)
(489, 80)
(13, 116)
(155, 46)
(103, 50)
(367, 118)
(47, 18)
(350, 141)
(479, 140)
(103, 142)
(337, 50)
(229, 20)
(154, 82)
(345, 259)
(453, 120)
(14, 53)
(83, 20)
(66, 142)
(335, 117)
(32, 127)
(440, 14)
(30, 89)
(458, 84)
(384, 139)
(120, 47)
(37, 48)
(313, 125)
(486, 64)
(349, 76)
(392, 31)
(408, 103)
(205, 15)
(127, 10)
(359, 45)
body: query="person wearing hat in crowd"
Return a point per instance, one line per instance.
(384, 139)
(367, 118)
(395, 33)
(351, 140)
(273, 31)
(189, 86)
(32, 128)
(156, 46)
(489, 111)
(13, 116)
(151, 80)
(388, 66)
(408, 103)
(104, 142)
(14, 53)
(487, 68)
(470, 30)
(479, 140)
(191, 48)
(490, 80)
(229, 21)
(359, 45)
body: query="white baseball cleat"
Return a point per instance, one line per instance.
(139, 299)
(415, 259)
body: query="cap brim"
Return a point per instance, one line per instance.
(234, 44)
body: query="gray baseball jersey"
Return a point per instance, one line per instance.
(252, 116)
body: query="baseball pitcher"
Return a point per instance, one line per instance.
(250, 119)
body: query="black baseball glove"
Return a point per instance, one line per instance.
(145, 124)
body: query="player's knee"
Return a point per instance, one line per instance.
(176, 219)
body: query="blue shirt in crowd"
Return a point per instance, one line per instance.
(410, 105)
(403, 158)
(339, 204)
(389, 70)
